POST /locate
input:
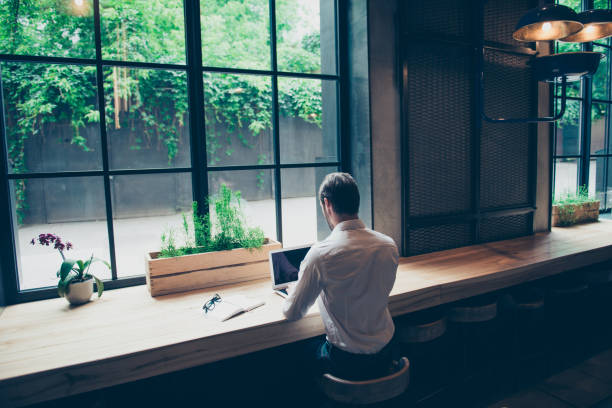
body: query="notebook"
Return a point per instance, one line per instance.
(231, 306)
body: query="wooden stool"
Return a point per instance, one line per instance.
(421, 335)
(528, 359)
(472, 322)
(599, 312)
(566, 305)
(367, 392)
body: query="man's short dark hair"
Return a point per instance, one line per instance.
(341, 191)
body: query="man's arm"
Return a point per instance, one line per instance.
(306, 291)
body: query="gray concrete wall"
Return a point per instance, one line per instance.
(385, 119)
(541, 217)
(82, 198)
(359, 105)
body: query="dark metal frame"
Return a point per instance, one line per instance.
(477, 45)
(586, 101)
(199, 169)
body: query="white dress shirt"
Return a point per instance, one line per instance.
(350, 274)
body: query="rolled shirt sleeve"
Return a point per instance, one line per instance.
(307, 290)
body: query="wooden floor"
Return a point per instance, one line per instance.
(49, 350)
(586, 385)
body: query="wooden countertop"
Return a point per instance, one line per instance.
(48, 350)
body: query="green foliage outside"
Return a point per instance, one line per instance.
(235, 34)
(227, 229)
(600, 79)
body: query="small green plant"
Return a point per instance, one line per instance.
(567, 203)
(71, 270)
(226, 230)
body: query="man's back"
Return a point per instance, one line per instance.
(353, 270)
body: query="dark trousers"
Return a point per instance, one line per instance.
(326, 358)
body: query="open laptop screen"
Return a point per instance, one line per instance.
(285, 265)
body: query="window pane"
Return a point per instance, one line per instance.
(574, 87)
(303, 220)
(238, 115)
(599, 114)
(576, 5)
(602, 76)
(72, 208)
(235, 34)
(143, 30)
(601, 4)
(308, 120)
(147, 118)
(306, 36)
(51, 117)
(596, 180)
(144, 206)
(568, 130)
(609, 186)
(48, 28)
(257, 191)
(566, 177)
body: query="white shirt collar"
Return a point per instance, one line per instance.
(349, 225)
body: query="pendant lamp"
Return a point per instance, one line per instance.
(547, 23)
(597, 25)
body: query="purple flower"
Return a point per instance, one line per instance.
(33, 241)
(68, 245)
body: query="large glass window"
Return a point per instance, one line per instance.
(111, 130)
(582, 151)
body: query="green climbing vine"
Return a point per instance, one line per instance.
(151, 104)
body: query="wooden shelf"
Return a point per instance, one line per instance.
(48, 350)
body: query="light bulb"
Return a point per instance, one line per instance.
(546, 26)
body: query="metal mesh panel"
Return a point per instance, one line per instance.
(495, 229)
(504, 155)
(501, 17)
(446, 17)
(439, 124)
(438, 238)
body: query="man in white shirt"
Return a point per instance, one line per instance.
(350, 275)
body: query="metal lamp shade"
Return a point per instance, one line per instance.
(547, 23)
(597, 25)
(571, 65)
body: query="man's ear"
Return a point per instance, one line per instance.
(328, 205)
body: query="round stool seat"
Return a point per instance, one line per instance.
(422, 326)
(473, 310)
(600, 275)
(567, 285)
(367, 392)
(528, 298)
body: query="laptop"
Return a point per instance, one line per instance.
(284, 267)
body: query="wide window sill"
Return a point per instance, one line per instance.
(49, 350)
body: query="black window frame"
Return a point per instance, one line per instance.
(199, 167)
(586, 102)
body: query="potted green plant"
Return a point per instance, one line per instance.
(570, 209)
(75, 279)
(215, 250)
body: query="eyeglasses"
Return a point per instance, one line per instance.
(210, 305)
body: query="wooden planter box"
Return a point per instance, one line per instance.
(587, 212)
(198, 271)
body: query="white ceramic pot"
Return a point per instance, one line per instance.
(80, 292)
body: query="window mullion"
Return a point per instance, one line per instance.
(275, 123)
(103, 139)
(195, 89)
